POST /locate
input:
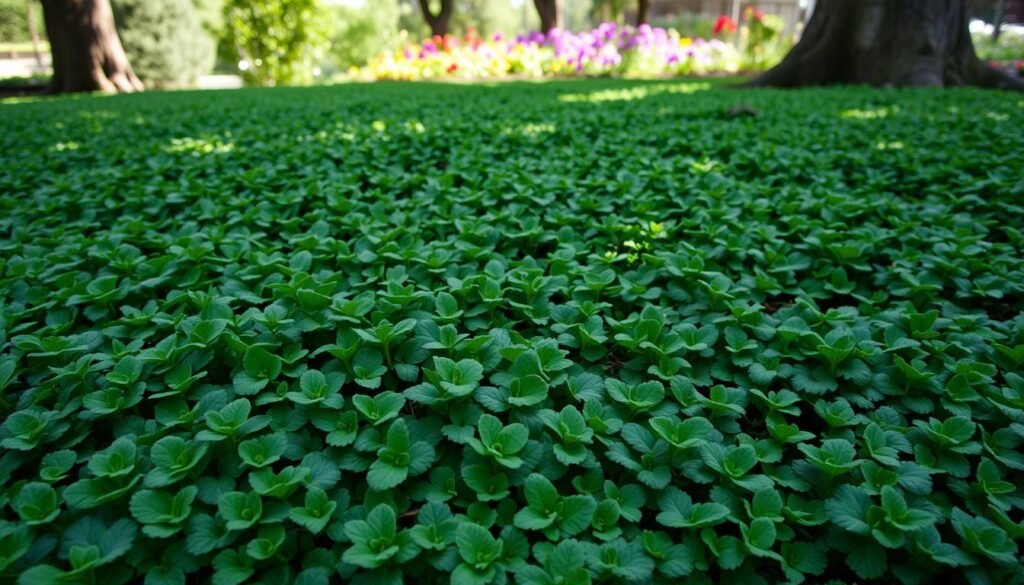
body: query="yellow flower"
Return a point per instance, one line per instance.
(685, 42)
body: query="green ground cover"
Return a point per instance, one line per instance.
(545, 333)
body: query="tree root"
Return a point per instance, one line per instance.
(872, 42)
(994, 78)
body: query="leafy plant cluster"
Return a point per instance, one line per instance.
(535, 333)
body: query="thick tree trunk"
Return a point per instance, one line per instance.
(643, 11)
(887, 42)
(87, 53)
(547, 10)
(438, 23)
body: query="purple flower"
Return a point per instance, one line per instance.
(604, 49)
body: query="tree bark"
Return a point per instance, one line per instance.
(547, 10)
(438, 23)
(87, 53)
(906, 43)
(643, 11)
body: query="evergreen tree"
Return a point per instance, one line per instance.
(165, 41)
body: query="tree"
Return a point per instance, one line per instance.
(997, 20)
(165, 41)
(278, 42)
(87, 53)
(15, 19)
(549, 13)
(643, 11)
(211, 16)
(363, 32)
(886, 42)
(438, 23)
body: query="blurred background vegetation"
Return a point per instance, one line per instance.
(173, 43)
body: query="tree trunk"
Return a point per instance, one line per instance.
(909, 43)
(438, 23)
(997, 20)
(547, 10)
(87, 53)
(643, 11)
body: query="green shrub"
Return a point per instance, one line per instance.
(761, 39)
(362, 32)
(696, 26)
(14, 20)
(486, 17)
(35, 80)
(164, 41)
(211, 16)
(1008, 47)
(277, 42)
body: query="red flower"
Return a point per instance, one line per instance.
(724, 23)
(452, 68)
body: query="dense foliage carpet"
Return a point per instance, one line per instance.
(551, 333)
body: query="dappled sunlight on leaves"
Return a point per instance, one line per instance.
(529, 130)
(62, 146)
(869, 114)
(199, 146)
(895, 145)
(633, 93)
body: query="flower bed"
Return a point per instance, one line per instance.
(608, 50)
